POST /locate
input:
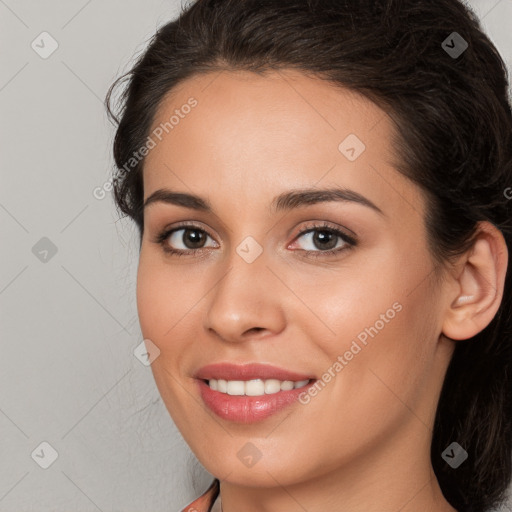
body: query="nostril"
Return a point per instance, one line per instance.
(255, 330)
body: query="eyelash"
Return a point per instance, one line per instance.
(351, 242)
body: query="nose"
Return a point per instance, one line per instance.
(246, 303)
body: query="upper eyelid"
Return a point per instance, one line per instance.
(316, 226)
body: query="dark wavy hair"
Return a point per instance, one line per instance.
(453, 125)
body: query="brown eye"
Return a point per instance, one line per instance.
(188, 238)
(324, 240)
(184, 240)
(193, 238)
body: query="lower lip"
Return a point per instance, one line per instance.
(248, 409)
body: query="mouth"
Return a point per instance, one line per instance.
(249, 393)
(254, 387)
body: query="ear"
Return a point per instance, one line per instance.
(478, 284)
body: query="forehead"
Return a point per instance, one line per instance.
(249, 136)
(279, 108)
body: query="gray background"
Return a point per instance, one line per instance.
(68, 375)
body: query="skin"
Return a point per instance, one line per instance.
(363, 443)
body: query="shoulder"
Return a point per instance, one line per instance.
(205, 501)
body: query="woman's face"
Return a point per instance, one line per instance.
(357, 315)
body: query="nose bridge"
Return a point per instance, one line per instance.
(246, 297)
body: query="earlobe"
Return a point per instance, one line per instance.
(480, 284)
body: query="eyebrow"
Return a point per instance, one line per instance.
(285, 201)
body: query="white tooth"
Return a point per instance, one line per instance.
(236, 387)
(286, 385)
(272, 386)
(222, 385)
(301, 383)
(254, 387)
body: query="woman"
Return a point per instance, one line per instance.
(320, 189)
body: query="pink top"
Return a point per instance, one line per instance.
(209, 501)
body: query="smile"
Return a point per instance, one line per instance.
(247, 393)
(254, 387)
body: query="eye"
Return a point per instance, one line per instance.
(327, 240)
(321, 240)
(183, 240)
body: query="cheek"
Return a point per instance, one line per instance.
(164, 297)
(382, 322)
(159, 300)
(364, 299)
(149, 299)
(161, 306)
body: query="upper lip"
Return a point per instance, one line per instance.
(230, 371)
